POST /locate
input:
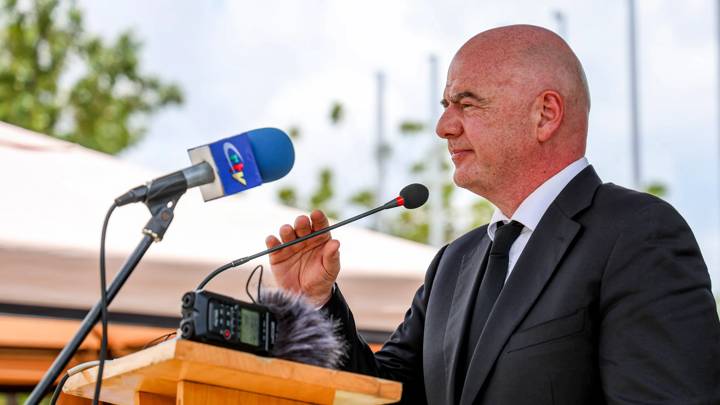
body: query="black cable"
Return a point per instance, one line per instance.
(215, 273)
(247, 287)
(58, 389)
(247, 283)
(259, 297)
(103, 307)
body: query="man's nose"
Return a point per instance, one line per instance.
(448, 125)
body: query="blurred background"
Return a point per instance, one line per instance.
(357, 86)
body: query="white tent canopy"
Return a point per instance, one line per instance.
(55, 195)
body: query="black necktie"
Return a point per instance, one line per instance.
(493, 279)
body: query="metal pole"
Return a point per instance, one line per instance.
(87, 324)
(634, 103)
(561, 23)
(381, 152)
(437, 152)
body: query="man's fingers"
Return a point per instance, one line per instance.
(302, 225)
(278, 256)
(319, 220)
(271, 241)
(287, 233)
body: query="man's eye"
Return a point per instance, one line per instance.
(466, 106)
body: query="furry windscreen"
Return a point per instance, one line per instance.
(304, 334)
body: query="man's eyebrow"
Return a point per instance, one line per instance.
(464, 94)
(467, 94)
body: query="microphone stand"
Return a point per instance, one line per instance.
(162, 210)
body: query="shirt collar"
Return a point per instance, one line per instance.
(534, 206)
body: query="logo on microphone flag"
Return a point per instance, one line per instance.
(234, 163)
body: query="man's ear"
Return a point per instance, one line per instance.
(550, 110)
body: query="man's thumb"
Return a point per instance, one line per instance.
(331, 256)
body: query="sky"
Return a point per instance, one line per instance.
(245, 65)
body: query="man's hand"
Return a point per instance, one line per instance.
(309, 267)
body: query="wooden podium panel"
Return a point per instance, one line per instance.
(184, 372)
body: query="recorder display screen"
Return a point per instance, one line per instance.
(249, 327)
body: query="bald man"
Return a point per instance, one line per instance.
(576, 292)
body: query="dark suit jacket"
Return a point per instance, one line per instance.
(610, 302)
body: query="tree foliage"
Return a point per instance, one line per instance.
(337, 113)
(657, 189)
(364, 198)
(410, 127)
(321, 198)
(288, 196)
(57, 79)
(294, 131)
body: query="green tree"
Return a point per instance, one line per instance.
(321, 198)
(410, 127)
(364, 198)
(656, 188)
(59, 80)
(294, 131)
(288, 196)
(337, 113)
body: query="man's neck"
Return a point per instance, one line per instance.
(511, 196)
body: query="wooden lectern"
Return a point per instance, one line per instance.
(184, 372)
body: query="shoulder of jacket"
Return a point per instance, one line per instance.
(622, 207)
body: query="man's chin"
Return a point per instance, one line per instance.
(462, 180)
(470, 184)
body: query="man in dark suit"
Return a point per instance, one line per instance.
(577, 292)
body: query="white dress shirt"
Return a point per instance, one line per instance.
(533, 208)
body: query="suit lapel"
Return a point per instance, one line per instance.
(535, 266)
(460, 310)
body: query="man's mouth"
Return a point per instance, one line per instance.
(457, 154)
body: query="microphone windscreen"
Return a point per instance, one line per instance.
(304, 334)
(274, 153)
(414, 195)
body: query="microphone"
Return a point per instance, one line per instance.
(411, 196)
(224, 167)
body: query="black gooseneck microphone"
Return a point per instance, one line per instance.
(411, 196)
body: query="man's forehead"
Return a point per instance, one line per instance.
(467, 80)
(456, 85)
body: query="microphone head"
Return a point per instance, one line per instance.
(304, 334)
(274, 153)
(244, 161)
(414, 195)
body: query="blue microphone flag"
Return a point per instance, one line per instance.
(234, 164)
